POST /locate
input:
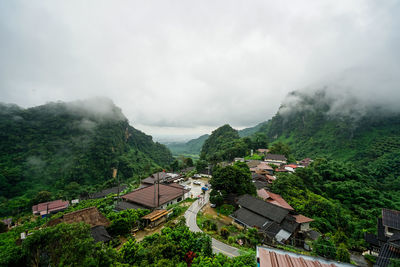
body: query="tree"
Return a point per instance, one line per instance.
(188, 162)
(232, 181)
(42, 196)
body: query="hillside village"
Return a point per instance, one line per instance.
(161, 199)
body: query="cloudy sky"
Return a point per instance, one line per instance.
(183, 68)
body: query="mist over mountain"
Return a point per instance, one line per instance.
(53, 145)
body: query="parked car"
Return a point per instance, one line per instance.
(213, 205)
(197, 176)
(196, 183)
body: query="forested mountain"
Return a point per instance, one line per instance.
(77, 144)
(313, 128)
(192, 147)
(223, 144)
(251, 130)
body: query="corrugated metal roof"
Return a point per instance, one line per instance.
(263, 208)
(269, 258)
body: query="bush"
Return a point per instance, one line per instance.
(224, 232)
(226, 209)
(342, 253)
(325, 248)
(231, 239)
(210, 225)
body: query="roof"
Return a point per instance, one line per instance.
(387, 252)
(253, 163)
(148, 196)
(391, 218)
(155, 215)
(273, 198)
(294, 166)
(289, 224)
(249, 218)
(275, 157)
(263, 150)
(265, 209)
(302, 219)
(269, 258)
(49, 207)
(100, 234)
(123, 205)
(264, 166)
(260, 184)
(105, 192)
(90, 216)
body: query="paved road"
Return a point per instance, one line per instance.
(217, 246)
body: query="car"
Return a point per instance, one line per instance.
(196, 183)
(187, 187)
(213, 205)
(197, 176)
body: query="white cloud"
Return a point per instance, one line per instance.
(184, 67)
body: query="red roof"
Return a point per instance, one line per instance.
(302, 219)
(273, 199)
(147, 197)
(49, 207)
(294, 166)
(272, 259)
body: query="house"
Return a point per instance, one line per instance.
(264, 168)
(50, 207)
(275, 159)
(156, 196)
(262, 151)
(387, 241)
(90, 216)
(304, 222)
(155, 218)
(253, 164)
(273, 199)
(162, 177)
(260, 181)
(270, 178)
(238, 159)
(100, 234)
(270, 257)
(387, 226)
(305, 162)
(273, 222)
(105, 192)
(292, 167)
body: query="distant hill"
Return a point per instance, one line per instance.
(192, 147)
(223, 144)
(251, 130)
(51, 146)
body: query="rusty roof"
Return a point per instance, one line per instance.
(302, 219)
(89, 215)
(155, 215)
(273, 199)
(269, 258)
(51, 206)
(148, 196)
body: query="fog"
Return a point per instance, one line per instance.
(183, 68)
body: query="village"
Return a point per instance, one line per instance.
(278, 226)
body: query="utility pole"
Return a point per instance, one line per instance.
(158, 189)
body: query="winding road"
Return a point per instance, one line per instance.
(218, 246)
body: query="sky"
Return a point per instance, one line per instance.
(179, 69)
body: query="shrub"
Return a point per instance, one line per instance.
(226, 209)
(224, 232)
(231, 239)
(342, 253)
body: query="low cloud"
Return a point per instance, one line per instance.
(173, 66)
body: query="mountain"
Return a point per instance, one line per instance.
(251, 130)
(58, 144)
(313, 127)
(190, 148)
(223, 144)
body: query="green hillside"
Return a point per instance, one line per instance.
(192, 147)
(251, 130)
(63, 147)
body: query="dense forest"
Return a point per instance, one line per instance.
(68, 149)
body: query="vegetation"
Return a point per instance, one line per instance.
(67, 150)
(343, 201)
(191, 147)
(230, 182)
